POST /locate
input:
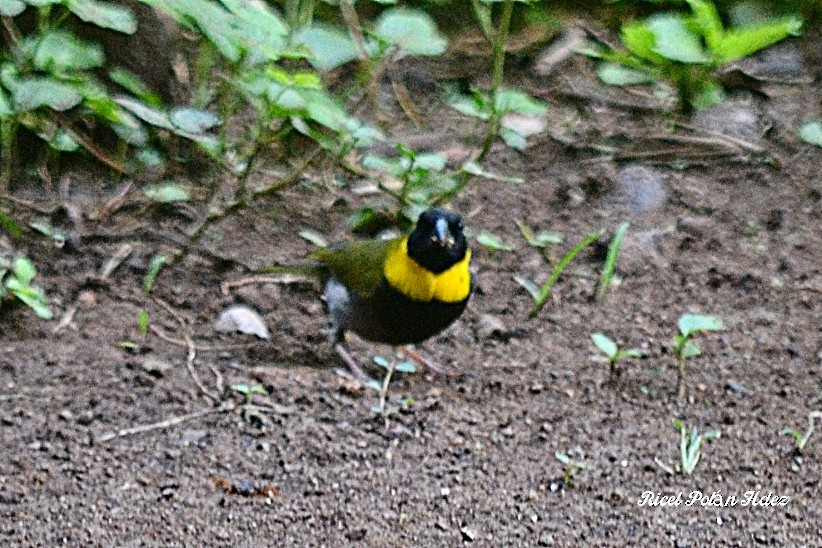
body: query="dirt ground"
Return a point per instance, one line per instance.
(729, 226)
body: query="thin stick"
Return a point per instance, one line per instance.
(226, 406)
(384, 392)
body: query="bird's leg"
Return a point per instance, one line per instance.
(352, 364)
(430, 366)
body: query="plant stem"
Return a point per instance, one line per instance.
(680, 382)
(497, 73)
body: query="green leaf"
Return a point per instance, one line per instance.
(811, 132)
(707, 19)
(146, 113)
(167, 192)
(24, 270)
(430, 161)
(605, 343)
(738, 43)
(412, 31)
(152, 271)
(382, 362)
(104, 14)
(405, 367)
(530, 287)
(513, 138)
(640, 41)
(690, 324)
(9, 225)
(64, 141)
(134, 85)
(512, 100)
(692, 350)
(11, 8)
(193, 120)
(711, 93)
(5, 106)
(493, 242)
(630, 353)
(476, 105)
(37, 304)
(142, 322)
(330, 47)
(674, 40)
(314, 237)
(540, 239)
(477, 170)
(609, 268)
(615, 74)
(33, 93)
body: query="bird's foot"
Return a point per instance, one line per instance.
(357, 372)
(430, 366)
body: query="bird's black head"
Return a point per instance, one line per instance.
(437, 242)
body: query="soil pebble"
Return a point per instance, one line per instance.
(639, 190)
(242, 319)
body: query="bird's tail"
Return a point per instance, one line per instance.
(310, 271)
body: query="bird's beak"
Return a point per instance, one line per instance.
(443, 233)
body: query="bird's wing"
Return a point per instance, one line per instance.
(358, 265)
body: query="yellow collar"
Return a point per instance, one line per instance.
(415, 282)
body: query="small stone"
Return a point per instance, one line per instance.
(546, 540)
(193, 436)
(240, 318)
(734, 119)
(490, 327)
(86, 300)
(468, 534)
(66, 415)
(736, 388)
(640, 189)
(157, 368)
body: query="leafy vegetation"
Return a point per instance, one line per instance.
(609, 267)
(540, 294)
(685, 49)
(684, 347)
(802, 438)
(572, 468)
(690, 445)
(15, 283)
(613, 352)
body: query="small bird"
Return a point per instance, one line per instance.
(400, 291)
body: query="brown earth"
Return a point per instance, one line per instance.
(723, 226)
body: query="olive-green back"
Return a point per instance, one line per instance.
(359, 265)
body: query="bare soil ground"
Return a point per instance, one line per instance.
(717, 227)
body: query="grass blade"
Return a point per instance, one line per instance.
(545, 290)
(611, 260)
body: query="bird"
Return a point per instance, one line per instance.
(400, 291)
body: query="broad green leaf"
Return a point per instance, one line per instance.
(639, 39)
(382, 362)
(615, 74)
(62, 51)
(192, 120)
(630, 353)
(290, 100)
(42, 3)
(104, 14)
(414, 32)
(34, 93)
(540, 239)
(11, 8)
(167, 192)
(323, 109)
(511, 100)
(811, 132)
(330, 47)
(695, 323)
(605, 343)
(430, 161)
(24, 270)
(475, 106)
(674, 40)
(738, 43)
